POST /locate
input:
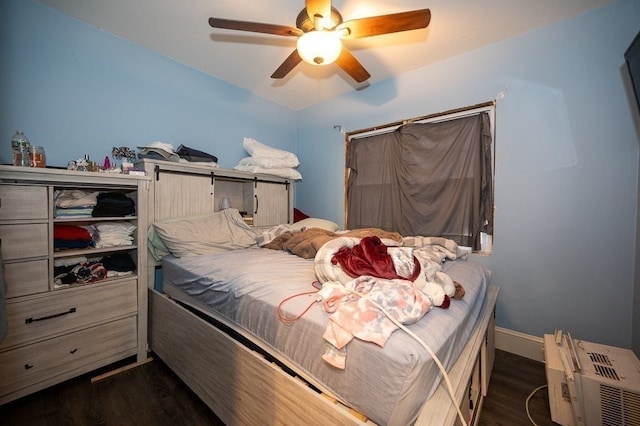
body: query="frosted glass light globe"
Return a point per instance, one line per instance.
(319, 47)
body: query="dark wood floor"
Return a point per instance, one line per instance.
(152, 395)
(514, 378)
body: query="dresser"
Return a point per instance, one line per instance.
(58, 330)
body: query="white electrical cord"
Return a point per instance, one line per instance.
(433, 355)
(527, 402)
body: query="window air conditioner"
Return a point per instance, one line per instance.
(591, 384)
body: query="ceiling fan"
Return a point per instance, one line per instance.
(320, 29)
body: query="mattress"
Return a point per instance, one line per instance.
(243, 288)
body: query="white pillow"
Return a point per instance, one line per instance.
(287, 173)
(154, 243)
(269, 162)
(258, 149)
(313, 222)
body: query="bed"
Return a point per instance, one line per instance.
(215, 324)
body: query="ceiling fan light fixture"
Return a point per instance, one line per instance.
(320, 31)
(319, 47)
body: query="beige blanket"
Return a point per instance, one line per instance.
(307, 243)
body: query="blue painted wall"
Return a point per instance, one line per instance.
(77, 90)
(567, 166)
(567, 142)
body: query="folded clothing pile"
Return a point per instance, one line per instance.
(79, 269)
(158, 151)
(113, 234)
(113, 204)
(164, 151)
(194, 155)
(71, 237)
(74, 202)
(267, 160)
(118, 264)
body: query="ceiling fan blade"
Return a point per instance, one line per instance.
(385, 24)
(256, 27)
(288, 64)
(350, 64)
(318, 8)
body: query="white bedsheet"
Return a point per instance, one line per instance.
(388, 384)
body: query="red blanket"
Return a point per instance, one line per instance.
(370, 258)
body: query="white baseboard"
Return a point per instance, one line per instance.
(521, 344)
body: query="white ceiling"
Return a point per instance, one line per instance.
(179, 29)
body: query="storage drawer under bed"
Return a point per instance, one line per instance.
(211, 371)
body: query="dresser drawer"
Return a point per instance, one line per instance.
(23, 202)
(58, 312)
(24, 241)
(46, 360)
(22, 278)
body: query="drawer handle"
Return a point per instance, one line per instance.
(73, 351)
(257, 204)
(28, 366)
(31, 320)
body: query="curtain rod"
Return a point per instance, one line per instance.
(424, 117)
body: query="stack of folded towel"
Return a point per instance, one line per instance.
(267, 160)
(113, 234)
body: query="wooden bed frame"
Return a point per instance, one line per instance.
(244, 388)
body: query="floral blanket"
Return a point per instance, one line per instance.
(362, 275)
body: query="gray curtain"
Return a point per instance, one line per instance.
(430, 179)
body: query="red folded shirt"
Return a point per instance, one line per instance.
(71, 233)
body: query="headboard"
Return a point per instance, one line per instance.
(181, 190)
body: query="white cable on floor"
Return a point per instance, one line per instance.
(526, 404)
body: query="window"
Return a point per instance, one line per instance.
(430, 177)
